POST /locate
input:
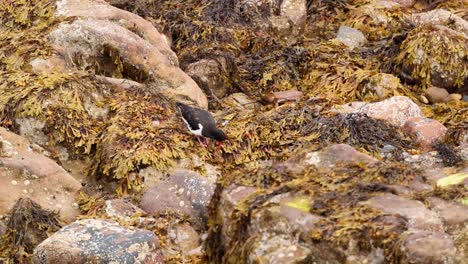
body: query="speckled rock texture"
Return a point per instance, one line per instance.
(26, 171)
(333, 155)
(99, 241)
(184, 192)
(395, 110)
(142, 50)
(351, 37)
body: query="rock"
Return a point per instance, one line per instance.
(3, 228)
(376, 19)
(425, 131)
(418, 216)
(230, 198)
(241, 100)
(99, 241)
(278, 249)
(281, 97)
(387, 151)
(348, 108)
(440, 17)
(185, 237)
(437, 95)
(122, 209)
(340, 154)
(434, 55)
(290, 216)
(103, 11)
(281, 25)
(454, 97)
(351, 37)
(26, 172)
(454, 215)
(207, 74)
(285, 17)
(383, 84)
(396, 110)
(295, 10)
(53, 64)
(427, 247)
(143, 53)
(184, 192)
(405, 3)
(430, 159)
(31, 128)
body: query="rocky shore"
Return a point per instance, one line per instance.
(347, 127)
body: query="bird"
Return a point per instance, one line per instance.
(201, 123)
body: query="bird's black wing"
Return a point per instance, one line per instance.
(194, 116)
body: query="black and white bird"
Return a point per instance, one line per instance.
(201, 123)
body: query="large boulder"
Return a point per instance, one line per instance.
(117, 43)
(26, 172)
(99, 241)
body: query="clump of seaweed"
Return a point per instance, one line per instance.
(376, 19)
(123, 130)
(28, 225)
(144, 131)
(337, 195)
(21, 20)
(430, 50)
(358, 130)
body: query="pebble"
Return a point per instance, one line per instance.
(26, 182)
(14, 182)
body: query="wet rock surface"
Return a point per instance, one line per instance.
(99, 241)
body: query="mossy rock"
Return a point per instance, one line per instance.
(435, 55)
(377, 19)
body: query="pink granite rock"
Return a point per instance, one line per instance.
(425, 131)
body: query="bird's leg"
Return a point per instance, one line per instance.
(202, 141)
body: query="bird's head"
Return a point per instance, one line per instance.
(218, 135)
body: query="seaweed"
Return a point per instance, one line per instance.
(28, 225)
(448, 155)
(334, 194)
(430, 45)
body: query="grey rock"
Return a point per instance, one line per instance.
(98, 241)
(184, 192)
(454, 215)
(334, 155)
(428, 247)
(351, 37)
